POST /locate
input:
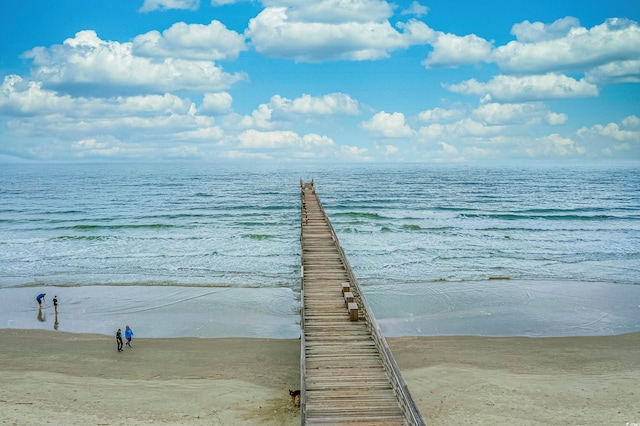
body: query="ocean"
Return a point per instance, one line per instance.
(210, 250)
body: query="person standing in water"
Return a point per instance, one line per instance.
(55, 303)
(40, 299)
(128, 334)
(119, 339)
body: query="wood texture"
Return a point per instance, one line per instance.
(345, 381)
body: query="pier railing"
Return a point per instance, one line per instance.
(407, 404)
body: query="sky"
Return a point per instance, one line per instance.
(279, 81)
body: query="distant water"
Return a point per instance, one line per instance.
(174, 245)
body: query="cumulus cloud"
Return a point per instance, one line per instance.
(280, 139)
(390, 149)
(22, 97)
(216, 103)
(330, 104)
(438, 115)
(388, 125)
(290, 33)
(529, 113)
(631, 122)
(260, 118)
(555, 145)
(615, 72)
(508, 88)
(103, 67)
(539, 49)
(354, 153)
(627, 131)
(151, 5)
(416, 9)
(224, 2)
(528, 32)
(336, 11)
(210, 42)
(450, 50)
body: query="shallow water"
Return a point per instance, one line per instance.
(206, 250)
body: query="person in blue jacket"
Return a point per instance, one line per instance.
(40, 299)
(128, 334)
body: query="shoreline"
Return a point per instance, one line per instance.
(535, 308)
(74, 378)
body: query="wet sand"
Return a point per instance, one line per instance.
(49, 377)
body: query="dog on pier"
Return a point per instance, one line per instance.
(295, 396)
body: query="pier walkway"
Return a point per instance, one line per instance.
(348, 374)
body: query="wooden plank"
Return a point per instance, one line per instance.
(345, 380)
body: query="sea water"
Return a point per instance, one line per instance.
(209, 250)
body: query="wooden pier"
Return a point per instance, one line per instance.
(348, 374)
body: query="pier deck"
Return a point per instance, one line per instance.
(348, 374)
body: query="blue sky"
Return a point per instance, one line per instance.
(325, 80)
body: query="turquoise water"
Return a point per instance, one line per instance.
(207, 250)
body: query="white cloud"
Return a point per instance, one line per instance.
(260, 118)
(431, 132)
(390, 149)
(438, 115)
(91, 65)
(631, 122)
(388, 125)
(275, 33)
(333, 103)
(579, 50)
(531, 113)
(201, 133)
(216, 103)
(151, 5)
(555, 145)
(450, 50)
(191, 41)
(105, 146)
(615, 72)
(335, 11)
(354, 153)
(284, 139)
(526, 88)
(555, 119)
(22, 97)
(627, 131)
(416, 9)
(527, 32)
(469, 127)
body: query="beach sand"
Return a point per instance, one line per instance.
(58, 378)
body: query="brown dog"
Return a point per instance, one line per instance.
(295, 396)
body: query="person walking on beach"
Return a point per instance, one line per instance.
(40, 299)
(119, 339)
(128, 334)
(55, 304)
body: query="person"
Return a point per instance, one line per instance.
(119, 339)
(55, 303)
(40, 299)
(128, 334)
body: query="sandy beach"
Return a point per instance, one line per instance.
(49, 377)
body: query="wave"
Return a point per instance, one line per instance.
(112, 227)
(559, 217)
(359, 215)
(258, 236)
(85, 237)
